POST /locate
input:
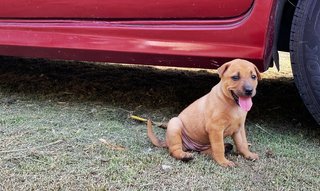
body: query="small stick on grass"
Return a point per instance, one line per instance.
(138, 118)
(33, 148)
(112, 146)
(257, 125)
(161, 125)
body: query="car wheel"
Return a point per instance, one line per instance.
(305, 53)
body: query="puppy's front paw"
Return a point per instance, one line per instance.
(227, 163)
(252, 156)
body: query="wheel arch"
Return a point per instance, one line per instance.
(283, 20)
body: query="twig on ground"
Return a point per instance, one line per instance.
(112, 146)
(33, 148)
(257, 125)
(138, 118)
(161, 125)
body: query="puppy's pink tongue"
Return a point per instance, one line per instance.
(245, 103)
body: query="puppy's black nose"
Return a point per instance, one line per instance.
(248, 91)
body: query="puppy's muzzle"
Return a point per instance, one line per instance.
(248, 91)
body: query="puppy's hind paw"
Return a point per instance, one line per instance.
(186, 157)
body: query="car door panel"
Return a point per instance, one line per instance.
(124, 9)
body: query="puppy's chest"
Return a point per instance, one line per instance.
(234, 125)
(231, 129)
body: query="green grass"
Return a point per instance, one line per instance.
(80, 161)
(50, 131)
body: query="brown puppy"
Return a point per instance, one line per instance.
(203, 125)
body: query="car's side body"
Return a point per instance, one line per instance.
(186, 33)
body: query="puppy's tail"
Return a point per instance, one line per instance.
(153, 137)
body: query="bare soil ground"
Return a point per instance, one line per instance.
(65, 126)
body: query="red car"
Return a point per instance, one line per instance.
(188, 33)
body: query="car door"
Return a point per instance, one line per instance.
(123, 9)
(188, 33)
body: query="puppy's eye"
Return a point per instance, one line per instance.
(235, 78)
(253, 77)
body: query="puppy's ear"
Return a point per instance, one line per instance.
(222, 69)
(258, 73)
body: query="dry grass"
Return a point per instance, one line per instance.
(54, 113)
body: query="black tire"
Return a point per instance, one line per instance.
(305, 53)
